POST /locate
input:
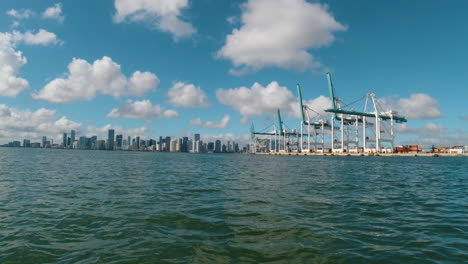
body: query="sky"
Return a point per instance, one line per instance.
(178, 67)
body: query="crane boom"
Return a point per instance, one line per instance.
(301, 105)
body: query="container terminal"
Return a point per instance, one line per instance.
(364, 127)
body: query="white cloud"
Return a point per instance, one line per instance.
(426, 130)
(42, 37)
(141, 82)
(187, 95)
(162, 14)
(141, 109)
(25, 124)
(257, 100)
(315, 107)
(11, 62)
(232, 20)
(20, 14)
(417, 106)
(279, 33)
(104, 76)
(223, 123)
(15, 24)
(54, 12)
(432, 134)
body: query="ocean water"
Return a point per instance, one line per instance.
(66, 206)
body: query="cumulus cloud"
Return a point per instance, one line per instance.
(54, 12)
(15, 24)
(432, 134)
(314, 107)
(141, 109)
(104, 76)
(11, 62)
(26, 124)
(223, 123)
(42, 37)
(187, 95)
(165, 15)
(417, 106)
(20, 14)
(279, 33)
(257, 100)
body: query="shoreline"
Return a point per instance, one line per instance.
(345, 154)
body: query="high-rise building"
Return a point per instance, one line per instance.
(184, 144)
(160, 143)
(82, 143)
(173, 145)
(101, 144)
(190, 145)
(196, 137)
(137, 142)
(64, 140)
(119, 141)
(217, 146)
(110, 139)
(210, 147)
(179, 145)
(93, 142)
(198, 146)
(168, 144)
(44, 140)
(26, 143)
(72, 138)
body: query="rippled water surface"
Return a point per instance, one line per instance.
(59, 206)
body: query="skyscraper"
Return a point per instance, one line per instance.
(160, 143)
(110, 140)
(72, 138)
(82, 142)
(217, 146)
(93, 142)
(138, 142)
(196, 137)
(44, 139)
(173, 145)
(210, 147)
(119, 141)
(26, 143)
(64, 140)
(184, 144)
(168, 143)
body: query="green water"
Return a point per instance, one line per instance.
(64, 206)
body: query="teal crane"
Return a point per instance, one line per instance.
(336, 109)
(305, 121)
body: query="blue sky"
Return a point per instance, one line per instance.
(411, 53)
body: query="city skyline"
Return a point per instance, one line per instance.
(193, 144)
(119, 67)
